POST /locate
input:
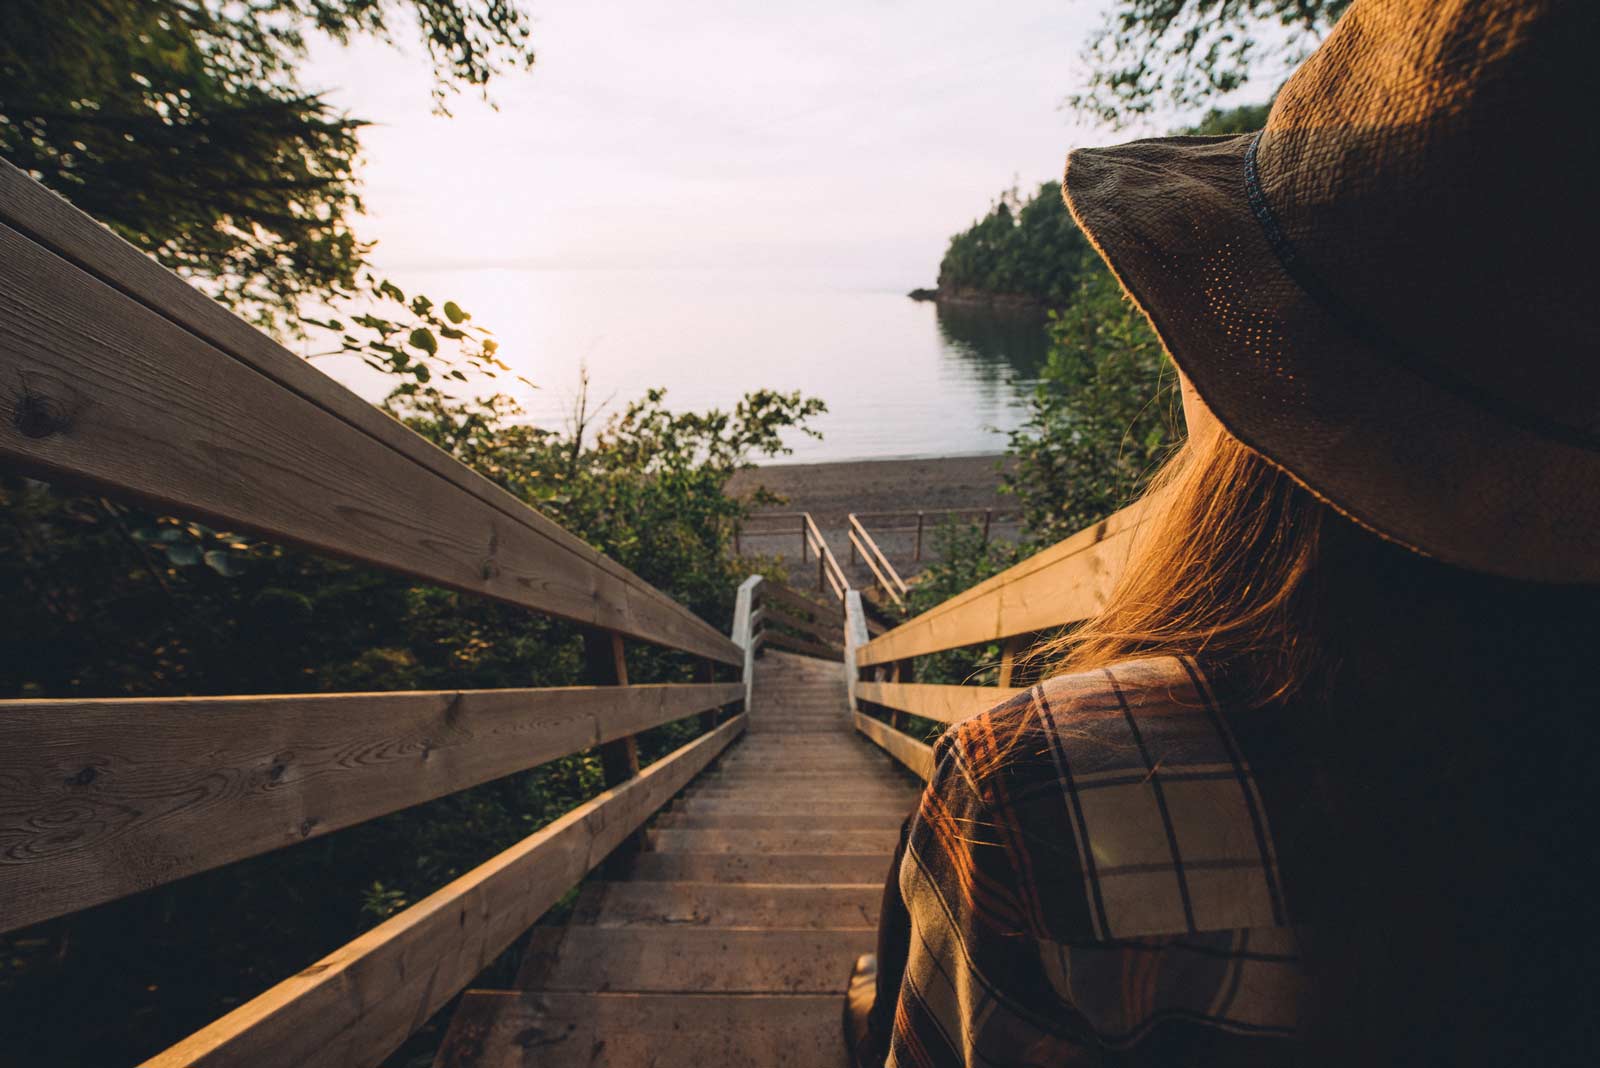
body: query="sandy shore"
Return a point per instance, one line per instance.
(831, 490)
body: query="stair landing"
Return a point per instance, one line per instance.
(729, 938)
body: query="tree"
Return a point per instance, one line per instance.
(1182, 53)
(1023, 248)
(1103, 417)
(182, 125)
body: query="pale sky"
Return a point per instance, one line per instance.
(853, 135)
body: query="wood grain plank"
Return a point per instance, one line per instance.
(99, 799)
(946, 704)
(1063, 584)
(517, 1029)
(771, 590)
(150, 411)
(702, 960)
(915, 755)
(355, 1006)
(777, 639)
(829, 635)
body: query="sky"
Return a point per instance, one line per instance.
(853, 136)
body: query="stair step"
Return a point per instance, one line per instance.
(819, 789)
(790, 868)
(785, 808)
(739, 905)
(783, 777)
(841, 822)
(678, 840)
(706, 960)
(516, 1029)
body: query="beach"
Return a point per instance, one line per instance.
(830, 491)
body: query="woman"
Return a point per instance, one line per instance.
(1315, 786)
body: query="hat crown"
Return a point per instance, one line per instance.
(1427, 175)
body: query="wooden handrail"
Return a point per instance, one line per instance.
(357, 1005)
(776, 618)
(827, 566)
(810, 618)
(99, 799)
(145, 407)
(789, 597)
(944, 704)
(888, 578)
(141, 388)
(1063, 584)
(916, 756)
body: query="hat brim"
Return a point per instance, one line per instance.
(1391, 450)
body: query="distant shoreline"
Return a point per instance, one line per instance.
(831, 490)
(1010, 303)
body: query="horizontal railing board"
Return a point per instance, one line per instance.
(1063, 584)
(878, 572)
(946, 704)
(916, 756)
(358, 1004)
(779, 640)
(164, 397)
(771, 591)
(100, 799)
(772, 616)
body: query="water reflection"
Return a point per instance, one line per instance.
(1005, 344)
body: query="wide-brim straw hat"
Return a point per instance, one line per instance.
(1391, 292)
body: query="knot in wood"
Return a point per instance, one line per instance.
(36, 416)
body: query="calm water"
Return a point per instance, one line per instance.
(900, 377)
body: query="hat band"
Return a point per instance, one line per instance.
(1296, 266)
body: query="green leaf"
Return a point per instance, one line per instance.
(222, 563)
(422, 372)
(422, 338)
(453, 312)
(183, 555)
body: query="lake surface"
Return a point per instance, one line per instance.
(900, 377)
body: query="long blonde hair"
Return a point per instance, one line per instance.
(1223, 566)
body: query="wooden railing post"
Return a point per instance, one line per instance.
(918, 555)
(1008, 659)
(900, 671)
(605, 665)
(706, 671)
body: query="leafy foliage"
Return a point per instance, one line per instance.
(182, 125)
(105, 600)
(1102, 418)
(1182, 53)
(415, 338)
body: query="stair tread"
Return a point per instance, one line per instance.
(869, 819)
(631, 904)
(701, 960)
(880, 841)
(513, 1029)
(790, 868)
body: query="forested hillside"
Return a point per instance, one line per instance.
(1028, 252)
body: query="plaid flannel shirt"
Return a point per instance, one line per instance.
(1091, 879)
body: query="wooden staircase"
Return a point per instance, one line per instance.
(728, 939)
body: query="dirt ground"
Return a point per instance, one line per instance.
(831, 490)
